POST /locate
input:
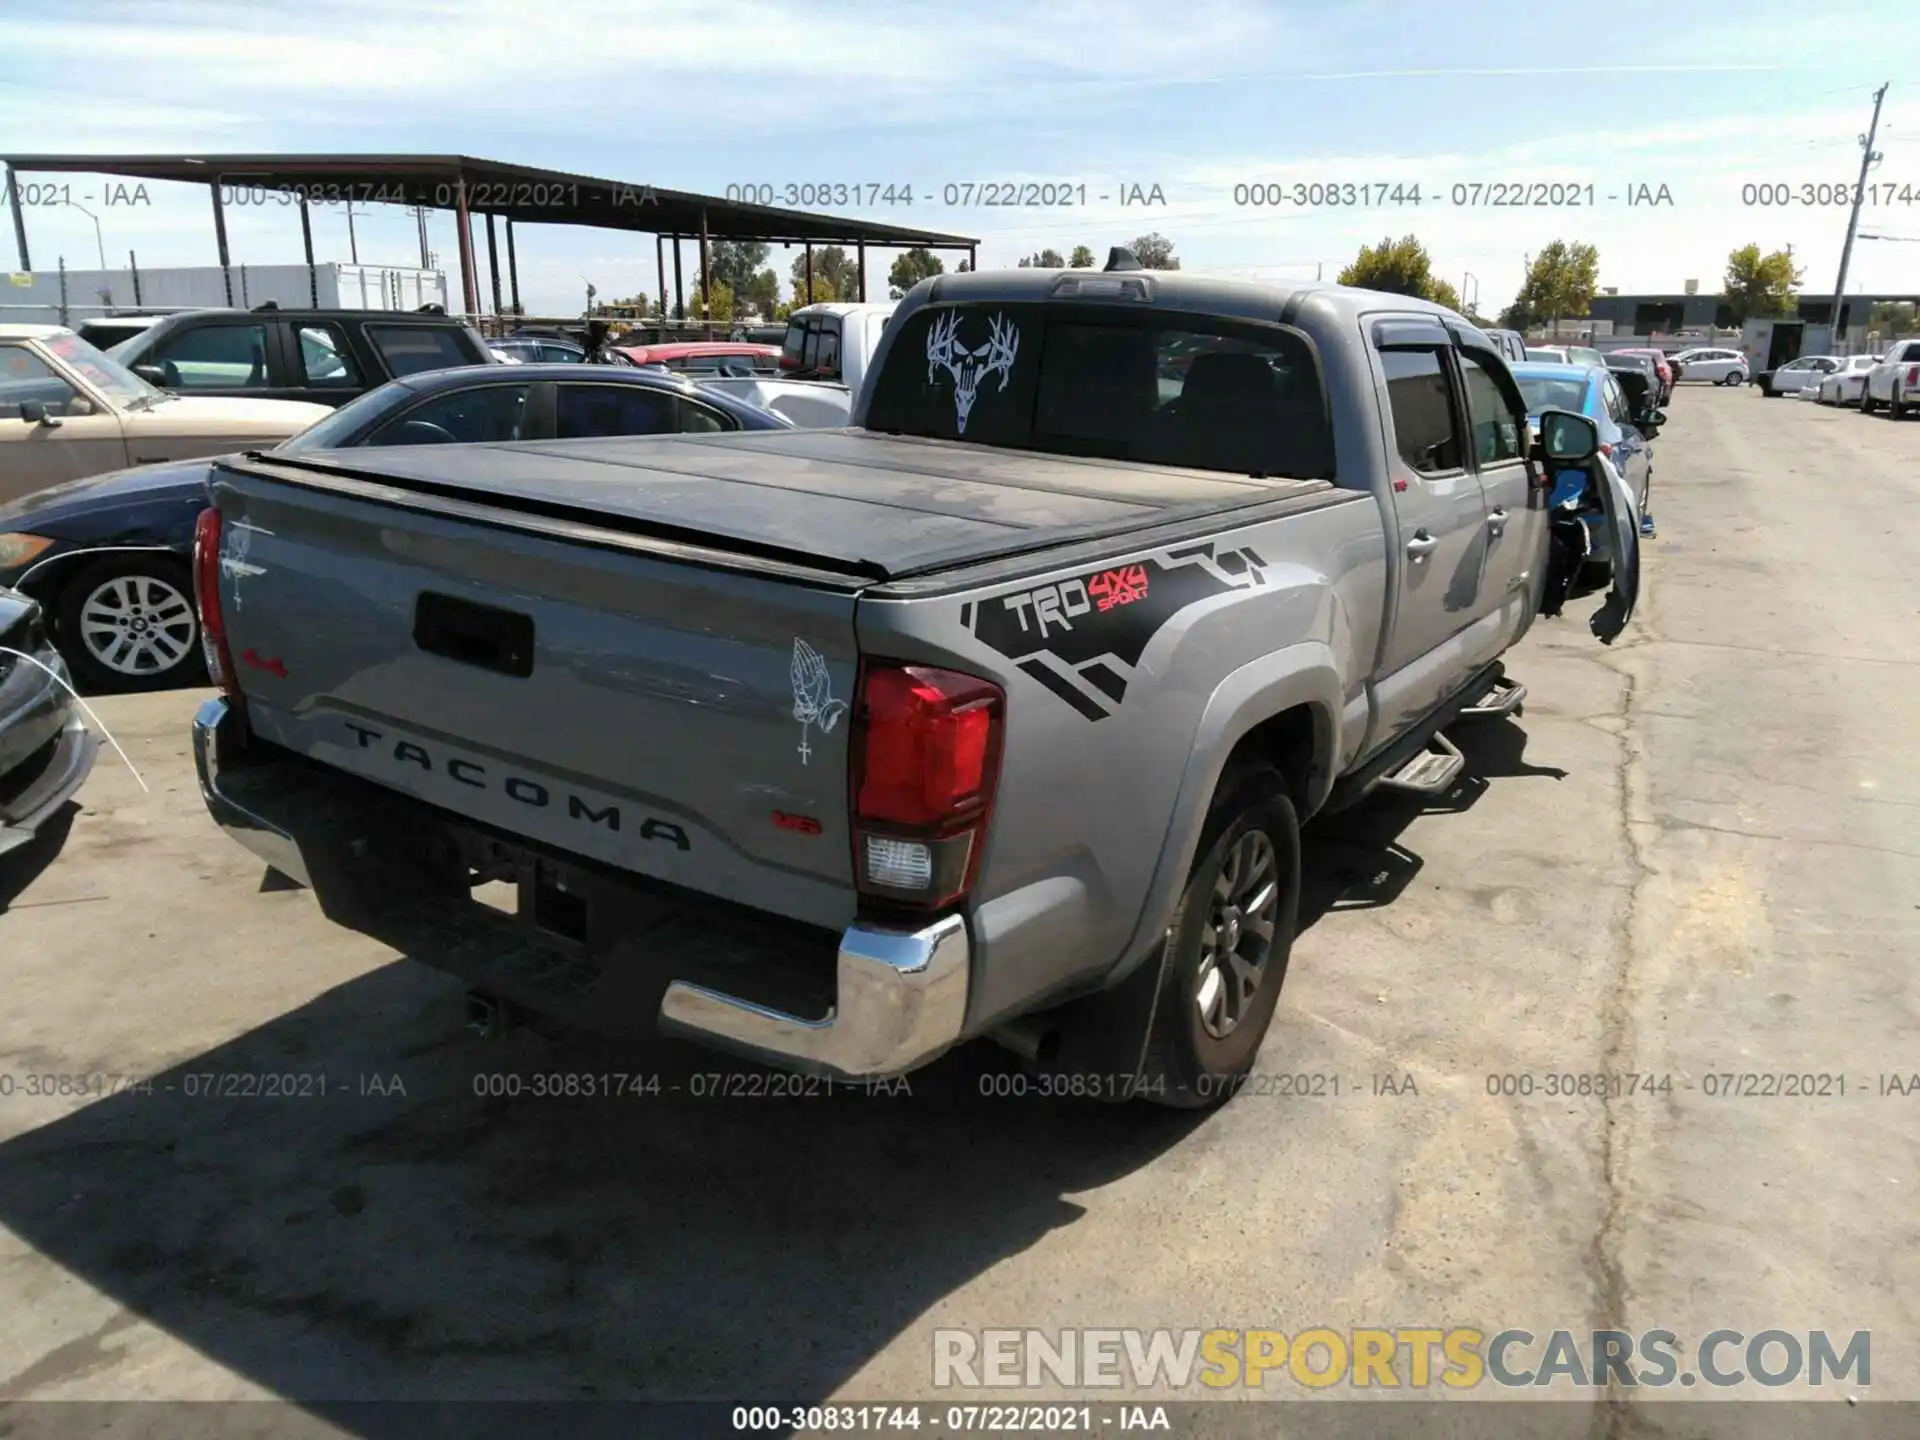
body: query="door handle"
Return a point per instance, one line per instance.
(1420, 545)
(1497, 521)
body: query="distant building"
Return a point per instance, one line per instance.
(1670, 314)
(67, 297)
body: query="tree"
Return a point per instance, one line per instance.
(1399, 267)
(1893, 317)
(835, 276)
(1154, 252)
(734, 263)
(1082, 258)
(1759, 285)
(1045, 260)
(963, 268)
(761, 295)
(910, 269)
(721, 309)
(1560, 282)
(1517, 316)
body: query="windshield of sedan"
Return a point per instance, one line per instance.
(101, 371)
(1553, 394)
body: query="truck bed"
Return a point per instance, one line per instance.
(874, 506)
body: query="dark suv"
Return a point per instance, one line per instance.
(328, 356)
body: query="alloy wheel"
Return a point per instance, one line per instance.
(1237, 943)
(138, 625)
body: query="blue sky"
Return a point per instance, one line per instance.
(1702, 97)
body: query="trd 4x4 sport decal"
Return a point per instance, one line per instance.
(1082, 637)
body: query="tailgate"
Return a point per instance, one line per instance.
(626, 707)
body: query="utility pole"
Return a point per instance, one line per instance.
(1868, 158)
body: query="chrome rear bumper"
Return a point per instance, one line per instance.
(216, 730)
(901, 1000)
(900, 996)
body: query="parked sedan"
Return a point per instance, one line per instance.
(45, 750)
(708, 357)
(67, 410)
(1895, 381)
(537, 349)
(1625, 435)
(1712, 364)
(1566, 355)
(1639, 365)
(1797, 375)
(109, 556)
(1846, 385)
(1663, 367)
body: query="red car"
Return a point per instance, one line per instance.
(1661, 364)
(708, 357)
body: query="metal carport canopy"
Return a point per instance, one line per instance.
(467, 185)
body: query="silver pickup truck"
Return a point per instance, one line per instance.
(995, 714)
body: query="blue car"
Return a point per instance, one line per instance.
(1597, 394)
(108, 557)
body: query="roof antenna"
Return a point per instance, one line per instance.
(1121, 258)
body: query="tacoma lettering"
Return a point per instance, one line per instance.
(518, 787)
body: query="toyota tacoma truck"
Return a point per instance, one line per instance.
(995, 714)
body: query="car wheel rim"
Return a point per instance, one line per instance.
(138, 626)
(1237, 944)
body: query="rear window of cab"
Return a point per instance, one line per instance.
(1157, 387)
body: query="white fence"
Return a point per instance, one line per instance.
(52, 297)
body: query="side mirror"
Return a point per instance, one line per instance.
(34, 412)
(1567, 438)
(151, 373)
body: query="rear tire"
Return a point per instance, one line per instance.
(1866, 403)
(1896, 407)
(1230, 940)
(127, 623)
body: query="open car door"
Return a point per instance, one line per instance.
(1570, 548)
(1623, 524)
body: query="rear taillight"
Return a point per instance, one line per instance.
(206, 594)
(1913, 375)
(926, 758)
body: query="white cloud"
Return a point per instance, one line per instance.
(695, 95)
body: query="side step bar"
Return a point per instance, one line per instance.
(1502, 699)
(1430, 772)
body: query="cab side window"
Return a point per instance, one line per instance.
(1496, 429)
(1422, 407)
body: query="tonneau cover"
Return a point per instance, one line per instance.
(857, 501)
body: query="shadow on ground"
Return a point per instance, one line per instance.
(19, 868)
(405, 1234)
(348, 1203)
(1353, 860)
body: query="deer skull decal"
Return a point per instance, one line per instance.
(970, 367)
